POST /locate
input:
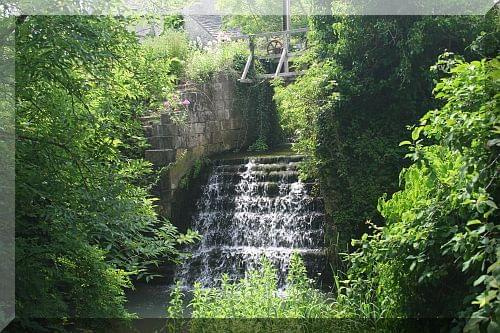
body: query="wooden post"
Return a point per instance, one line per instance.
(281, 63)
(286, 29)
(251, 45)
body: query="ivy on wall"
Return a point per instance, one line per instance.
(256, 102)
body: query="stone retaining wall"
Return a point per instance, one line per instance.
(213, 126)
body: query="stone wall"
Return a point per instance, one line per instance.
(214, 125)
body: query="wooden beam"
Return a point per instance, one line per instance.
(286, 36)
(284, 75)
(277, 56)
(247, 67)
(271, 34)
(282, 60)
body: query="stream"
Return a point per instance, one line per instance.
(249, 207)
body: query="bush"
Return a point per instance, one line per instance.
(298, 106)
(85, 221)
(257, 296)
(172, 46)
(438, 255)
(369, 79)
(204, 63)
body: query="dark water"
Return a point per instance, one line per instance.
(149, 300)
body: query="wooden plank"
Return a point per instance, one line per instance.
(281, 33)
(282, 60)
(289, 75)
(284, 75)
(290, 55)
(270, 34)
(247, 67)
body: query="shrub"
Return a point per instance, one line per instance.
(438, 255)
(159, 65)
(257, 296)
(370, 81)
(204, 63)
(85, 221)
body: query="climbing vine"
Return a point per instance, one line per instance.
(255, 102)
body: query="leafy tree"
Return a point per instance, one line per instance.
(438, 254)
(85, 223)
(253, 17)
(373, 80)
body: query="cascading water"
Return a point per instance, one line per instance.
(252, 207)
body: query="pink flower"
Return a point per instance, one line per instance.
(185, 102)
(166, 104)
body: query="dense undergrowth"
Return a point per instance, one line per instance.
(438, 253)
(256, 301)
(86, 226)
(256, 296)
(431, 249)
(200, 63)
(368, 80)
(85, 221)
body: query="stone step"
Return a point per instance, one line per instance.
(225, 220)
(165, 129)
(264, 204)
(279, 237)
(237, 260)
(261, 159)
(290, 166)
(262, 176)
(270, 189)
(149, 120)
(162, 142)
(160, 157)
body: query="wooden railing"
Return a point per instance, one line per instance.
(282, 45)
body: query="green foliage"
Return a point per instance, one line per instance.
(204, 64)
(298, 107)
(173, 22)
(259, 145)
(175, 304)
(438, 254)
(254, 24)
(172, 57)
(85, 222)
(369, 79)
(169, 51)
(257, 296)
(257, 18)
(193, 174)
(259, 111)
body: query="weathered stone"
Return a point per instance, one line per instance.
(163, 142)
(148, 131)
(160, 157)
(232, 136)
(166, 130)
(236, 123)
(226, 124)
(199, 128)
(215, 137)
(213, 125)
(165, 118)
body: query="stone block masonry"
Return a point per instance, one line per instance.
(213, 125)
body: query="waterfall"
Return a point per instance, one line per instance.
(252, 207)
